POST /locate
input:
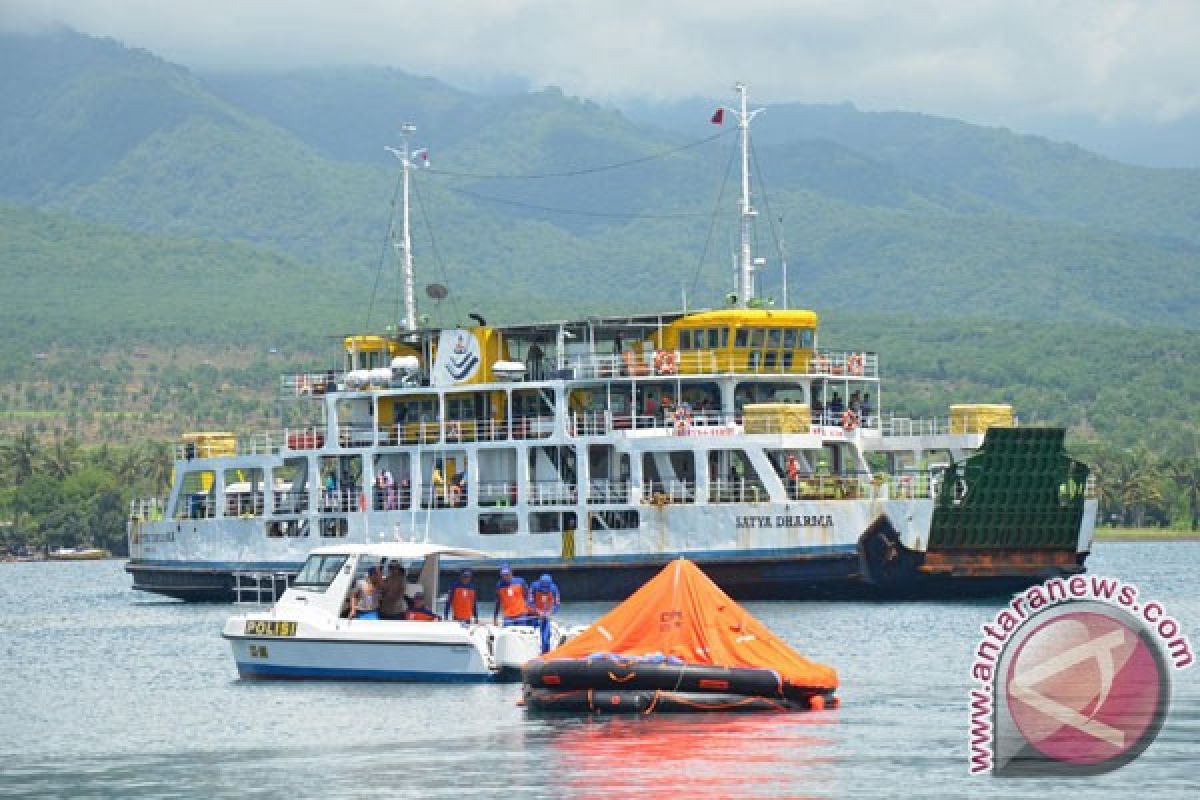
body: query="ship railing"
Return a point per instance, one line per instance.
(447, 495)
(832, 487)
(196, 506)
(672, 491)
(253, 444)
(289, 501)
(892, 425)
(340, 500)
(737, 490)
(309, 438)
(310, 384)
(397, 497)
(497, 493)
(606, 491)
(147, 509)
(552, 493)
(749, 361)
(244, 504)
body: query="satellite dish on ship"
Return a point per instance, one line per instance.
(436, 291)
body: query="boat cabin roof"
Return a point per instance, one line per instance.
(398, 550)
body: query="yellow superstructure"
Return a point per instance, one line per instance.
(741, 340)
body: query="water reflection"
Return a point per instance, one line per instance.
(696, 755)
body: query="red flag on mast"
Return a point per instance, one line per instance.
(718, 117)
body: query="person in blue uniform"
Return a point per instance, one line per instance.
(461, 605)
(546, 600)
(512, 599)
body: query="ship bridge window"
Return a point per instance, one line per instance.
(685, 339)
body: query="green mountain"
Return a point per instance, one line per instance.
(879, 213)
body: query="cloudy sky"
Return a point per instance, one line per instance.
(1116, 65)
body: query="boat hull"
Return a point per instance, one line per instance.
(833, 573)
(272, 658)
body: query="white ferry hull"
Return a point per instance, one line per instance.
(771, 551)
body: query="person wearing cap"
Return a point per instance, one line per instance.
(512, 599)
(546, 601)
(461, 605)
(418, 610)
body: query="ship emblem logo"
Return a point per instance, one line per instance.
(463, 361)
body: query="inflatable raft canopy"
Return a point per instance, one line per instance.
(679, 643)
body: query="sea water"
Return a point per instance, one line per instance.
(106, 692)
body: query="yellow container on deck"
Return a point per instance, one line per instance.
(978, 417)
(776, 418)
(212, 444)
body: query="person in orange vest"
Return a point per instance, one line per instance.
(512, 599)
(460, 600)
(546, 601)
(419, 611)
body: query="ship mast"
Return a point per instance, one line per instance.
(407, 130)
(747, 212)
(405, 243)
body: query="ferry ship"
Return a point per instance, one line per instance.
(599, 449)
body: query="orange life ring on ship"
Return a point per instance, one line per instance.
(849, 420)
(664, 362)
(855, 364)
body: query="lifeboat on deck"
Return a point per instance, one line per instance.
(677, 644)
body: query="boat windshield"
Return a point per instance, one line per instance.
(319, 571)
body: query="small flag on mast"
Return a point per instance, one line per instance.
(422, 155)
(718, 117)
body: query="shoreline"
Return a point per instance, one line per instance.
(1144, 535)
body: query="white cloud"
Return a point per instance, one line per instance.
(989, 60)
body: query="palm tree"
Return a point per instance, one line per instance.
(19, 457)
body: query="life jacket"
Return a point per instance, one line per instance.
(512, 600)
(420, 614)
(462, 603)
(543, 600)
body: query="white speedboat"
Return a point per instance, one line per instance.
(307, 633)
